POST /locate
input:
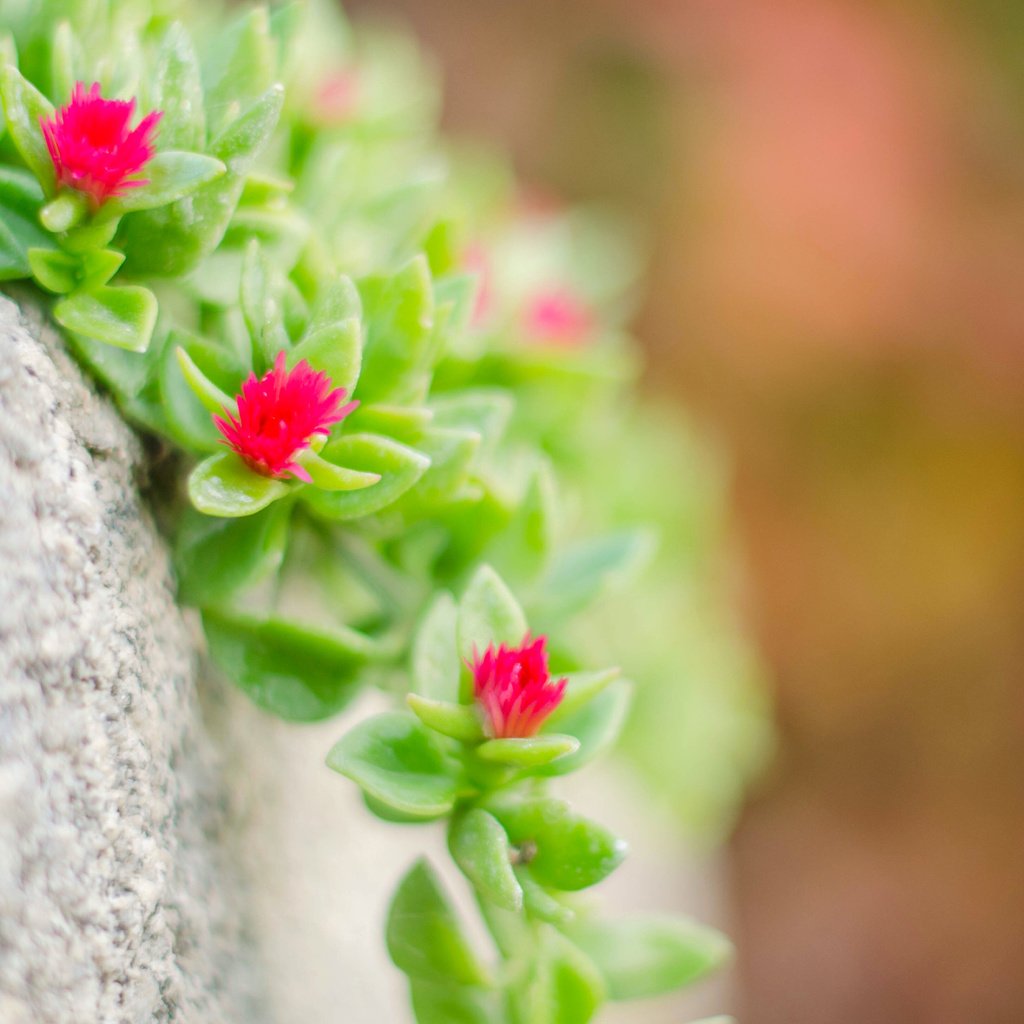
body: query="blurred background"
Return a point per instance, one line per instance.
(833, 192)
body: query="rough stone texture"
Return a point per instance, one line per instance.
(116, 899)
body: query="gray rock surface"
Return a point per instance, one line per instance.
(118, 902)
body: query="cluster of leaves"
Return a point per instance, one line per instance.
(300, 202)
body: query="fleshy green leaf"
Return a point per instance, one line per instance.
(241, 67)
(24, 105)
(445, 1003)
(65, 212)
(580, 689)
(459, 721)
(451, 452)
(424, 936)
(566, 988)
(529, 752)
(399, 762)
(212, 398)
(223, 485)
(329, 477)
(56, 271)
(399, 468)
(596, 725)
(216, 557)
(582, 572)
(177, 90)
(335, 349)
(481, 848)
(402, 422)
(262, 308)
(645, 956)
(488, 614)
(571, 852)
(435, 658)
(299, 673)
(399, 312)
(123, 316)
(170, 175)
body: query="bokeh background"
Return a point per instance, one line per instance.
(833, 192)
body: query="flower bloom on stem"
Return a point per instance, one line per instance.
(514, 688)
(279, 413)
(92, 148)
(558, 315)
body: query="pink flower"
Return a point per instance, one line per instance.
(514, 688)
(279, 413)
(558, 315)
(92, 149)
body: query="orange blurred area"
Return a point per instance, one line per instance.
(834, 193)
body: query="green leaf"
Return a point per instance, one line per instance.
(262, 308)
(337, 299)
(170, 175)
(459, 721)
(56, 271)
(335, 349)
(212, 398)
(329, 477)
(20, 193)
(223, 485)
(192, 370)
(64, 55)
(481, 848)
(177, 90)
(241, 67)
(403, 422)
(123, 316)
(241, 142)
(98, 266)
(582, 572)
(400, 763)
(24, 105)
(20, 199)
(424, 936)
(216, 557)
(65, 212)
(529, 752)
(62, 272)
(571, 852)
(435, 657)
(580, 689)
(649, 955)
(399, 468)
(445, 1003)
(299, 673)
(488, 614)
(566, 988)
(486, 411)
(522, 550)
(451, 452)
(596, 725)
(399, 314)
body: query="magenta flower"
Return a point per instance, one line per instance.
(513, 687)
(279, 413)
(92, 148)
(558, 315)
